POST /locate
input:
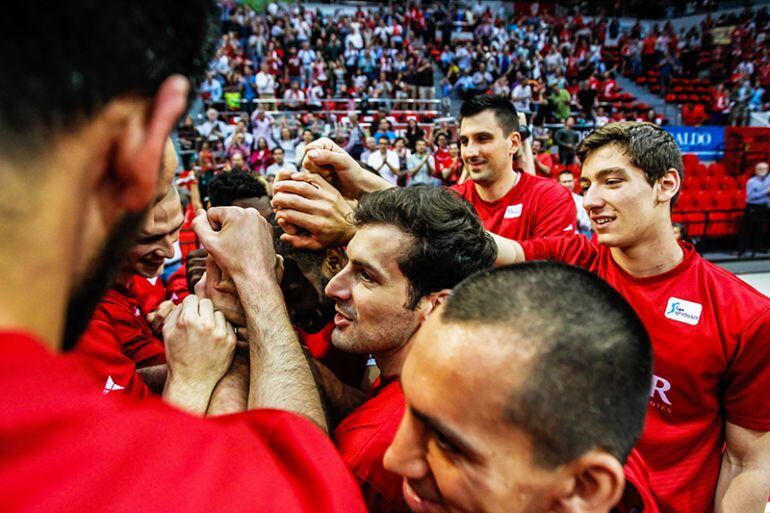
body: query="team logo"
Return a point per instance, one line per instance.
(513, 211)
(111, 386)
(659, 392)
(683, 311)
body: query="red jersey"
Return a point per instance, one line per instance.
(100, 348)
(149, 292)
(121, 308)
(637, 496)
(362, 439)
(348, 367)
(535, 207)
(709, 333)
(176, 286)
(66, 448)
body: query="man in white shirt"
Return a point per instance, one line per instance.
(265, 82)
(522, 95)
(212, 129)
(295, 97)
(280, 163)
(567, 179)
(385, 162)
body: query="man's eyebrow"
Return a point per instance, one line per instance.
(358, 262)
(446, 432)
(153, 238)
(608, 171)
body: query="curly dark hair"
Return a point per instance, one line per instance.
(448, 241)
(225, 188)
(98, 51)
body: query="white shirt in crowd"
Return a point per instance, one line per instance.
(376, 161)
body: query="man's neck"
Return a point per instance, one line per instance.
(658, 254)
(390, 363)
(498, 188)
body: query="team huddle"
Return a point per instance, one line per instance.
(346, 345)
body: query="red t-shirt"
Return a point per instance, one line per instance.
(637, 496)
(362, 439)
(176, 286)
(535, 207)
(100, 348)
(66, 448)
(710, 333)
(348, 367)
(546, 160)
(121, 307)
(149, 293)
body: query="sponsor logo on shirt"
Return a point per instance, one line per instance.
(111, 386)
(683, 311)
(513, 211)
(659, 392)
(137, 312)
(569, 229)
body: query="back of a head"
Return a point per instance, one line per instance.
(100, 52)
(588, 383)
(225, 188)
(503, 108)
(448, 242)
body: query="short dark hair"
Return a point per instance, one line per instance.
(448, 241)
(566, 172)
(225, 188)
(102, 51)
(648, 146)
(589, 381)
(505, 111)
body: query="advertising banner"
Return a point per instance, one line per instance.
(707, 142)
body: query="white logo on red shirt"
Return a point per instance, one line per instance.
(513, 211)
(569, 229)
(137, 312)
(683, 311)
(660, 386)
(111, 386)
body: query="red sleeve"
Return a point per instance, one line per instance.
(99, 348)
(176, 286)
(319, 479)
(748, 376)
(577, 251)
(138, 341)
(556, 213)
(637, 495)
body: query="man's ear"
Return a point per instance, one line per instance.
(515, 139)
(668, 185)
(135, 157)
(334, 260)
(432, 302)
(593, 482)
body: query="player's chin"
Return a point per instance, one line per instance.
(146, 270)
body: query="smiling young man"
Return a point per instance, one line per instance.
(411, 247)
(512, 405)
(510, 203)
(709, 329)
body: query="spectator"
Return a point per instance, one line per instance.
(421, 167)
(522, 95)
(413, 133)
(211, 88)
(212, 129)
(370, 149)
(263, 126)
(261, 157)
(543, 159)
(756, 217)
(265, 83)
(279, 164)
(451, 169)
(567, 140)
(237, 162)
(299, 150)
(561, 103)
(384, 161)
(567, 180)
(238, 145)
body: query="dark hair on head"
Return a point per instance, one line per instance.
(448, 241)
(225, 188)
(588, 383)
(648, 147)
(102, 51)
(505, 112)
(566, 172)
(309, 261)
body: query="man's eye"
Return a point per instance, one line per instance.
(612, 181)
(365, 276)
(444, 444)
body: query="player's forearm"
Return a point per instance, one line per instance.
(508, 251)
(231, 395)
(744, 482)
(188, 394)
(340, 399)
(279, 375)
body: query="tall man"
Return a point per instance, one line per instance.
(709, 329)
(99, 142)
(513, 406)
(511, 203)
